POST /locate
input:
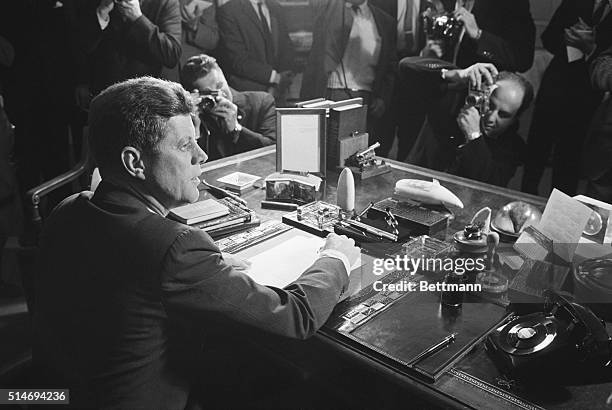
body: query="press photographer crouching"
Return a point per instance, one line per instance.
(472, 130)
(231, 121)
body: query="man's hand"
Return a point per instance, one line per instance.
(191, 17)
(469, 123)
(236, 262)
(286, 78)
(581, 36)
(433, 49)
(343, 245)
(82, 96)
(377, 107)
(105, 7)
(474, 74)
(130, 9)
(469, 21)
(228, 112)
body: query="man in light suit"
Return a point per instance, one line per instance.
(126, 298)
(255, 49)
(353, 55)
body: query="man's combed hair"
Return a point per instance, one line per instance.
(133, 113)
(524, 84)
(197, 67)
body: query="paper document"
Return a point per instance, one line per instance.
(563, 221)
(285, 262)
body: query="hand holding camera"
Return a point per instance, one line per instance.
(130, 9)
(216, 103)
(469, 123)
(474, 74)
(469, 22)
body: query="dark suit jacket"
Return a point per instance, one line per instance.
(243, 49)
(125, 297)
(508, 36)
(597, 155)
(125, 50)
(490, 160)
(257, 115)
(390, 7)
(330, 37)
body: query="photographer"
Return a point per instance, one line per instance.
(477, 141)
(231, 121)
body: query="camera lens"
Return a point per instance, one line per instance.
(473, 100)
(208, 102)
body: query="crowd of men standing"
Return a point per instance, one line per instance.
(380, 50)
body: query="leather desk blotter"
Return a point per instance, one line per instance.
(413, 323)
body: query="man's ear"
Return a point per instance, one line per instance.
(132, 161)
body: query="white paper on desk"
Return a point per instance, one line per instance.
(300, 150)
(563, 221)
(573, 54)
(284, 263)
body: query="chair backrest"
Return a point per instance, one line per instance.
(34, 196)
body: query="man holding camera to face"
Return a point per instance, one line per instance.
(231, 121)
(472, 131)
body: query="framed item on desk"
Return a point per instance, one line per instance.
(300, 140)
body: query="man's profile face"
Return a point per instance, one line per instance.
(504, 103)
(213, 81)
(172, 171)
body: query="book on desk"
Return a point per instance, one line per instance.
(217, 217)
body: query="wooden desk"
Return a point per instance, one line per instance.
(462, 386)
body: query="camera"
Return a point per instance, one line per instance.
(479, 98)
(441, 26)
(208, 100)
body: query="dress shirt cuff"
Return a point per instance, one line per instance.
(101, 20)
(332, 253)
(274, 77)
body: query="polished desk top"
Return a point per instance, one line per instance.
(457, 388)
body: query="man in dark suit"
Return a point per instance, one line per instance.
(255, 48)
(126, 298)
(566, 100)
(477, 142)
(353, 55)
(500, 32)
(239, 121)
(125, 39)
(597, 155)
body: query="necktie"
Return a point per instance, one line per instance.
(267, 34)
(356, 9)
(599, 11)
(262, 19)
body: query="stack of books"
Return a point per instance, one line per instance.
(200, 211)
(231, 216)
